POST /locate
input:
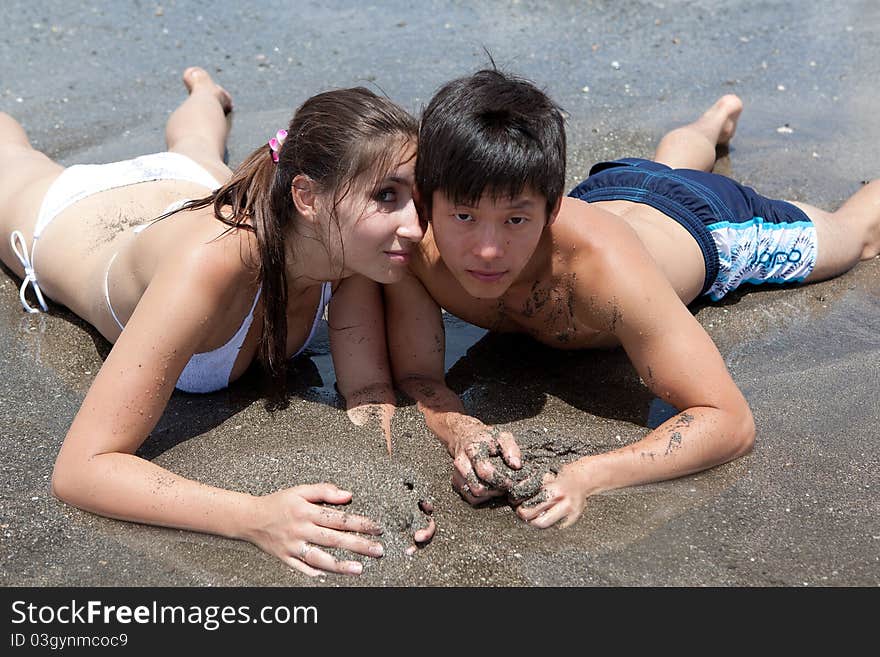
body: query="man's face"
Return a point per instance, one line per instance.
(487, 246)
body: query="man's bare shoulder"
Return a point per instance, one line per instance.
(604, 260)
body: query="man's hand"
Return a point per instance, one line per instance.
(561, 497)
(475, 478)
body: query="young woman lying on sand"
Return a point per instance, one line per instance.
(242, 272)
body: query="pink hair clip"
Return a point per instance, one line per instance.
(276, 143)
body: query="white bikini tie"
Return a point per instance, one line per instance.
(30, 276)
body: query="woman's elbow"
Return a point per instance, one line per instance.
(744, 434)
(64, 483)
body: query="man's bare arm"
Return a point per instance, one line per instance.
(417, 346)
(678, 361)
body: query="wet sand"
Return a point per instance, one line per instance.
(93, 82)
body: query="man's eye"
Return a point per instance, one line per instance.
(386, 196)
(516, 221)
(462, 216)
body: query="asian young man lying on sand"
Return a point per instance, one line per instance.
(614, 263)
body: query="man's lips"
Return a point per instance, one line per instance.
(486, 276)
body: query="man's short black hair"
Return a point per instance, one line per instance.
(490, 131)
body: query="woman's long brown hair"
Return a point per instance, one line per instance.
(334, 138)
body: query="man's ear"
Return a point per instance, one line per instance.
(305, 196)
(555, 212)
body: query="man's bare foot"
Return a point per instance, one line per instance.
(197, 77)
(729, 106)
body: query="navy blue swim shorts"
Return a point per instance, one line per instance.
(744, 237)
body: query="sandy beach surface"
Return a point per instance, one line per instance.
(95, 81)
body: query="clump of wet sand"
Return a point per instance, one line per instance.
(542, 454)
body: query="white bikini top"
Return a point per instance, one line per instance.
(210, 370)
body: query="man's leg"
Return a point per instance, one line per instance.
(199, 128)
(847, 236)
(693, 146)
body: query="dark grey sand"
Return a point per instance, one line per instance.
(93, 81)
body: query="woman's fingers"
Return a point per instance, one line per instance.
(302, 566)
(345, 541)
(324, 492)
(422, 536)
(572, 518)
(314, 561)
(348, 522)
(549, 517)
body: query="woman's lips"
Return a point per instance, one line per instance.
(401, 257)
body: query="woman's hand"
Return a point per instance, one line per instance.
(422, 537)
(293, 526)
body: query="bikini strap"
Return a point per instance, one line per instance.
(19, 247)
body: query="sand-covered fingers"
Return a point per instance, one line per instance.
(464, 473)
(561, 498)
(492, 442)
(467, 489)
(510, 451)
(349, 522)
(423, 536)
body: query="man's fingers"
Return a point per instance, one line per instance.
(466, 476)
(549, 517)
(510, 450)
(536, 505)
(463, 488)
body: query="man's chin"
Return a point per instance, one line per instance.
(482, 290)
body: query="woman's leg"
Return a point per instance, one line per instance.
(847, 236)
(25, 175)
(199, 127)
(693, 146)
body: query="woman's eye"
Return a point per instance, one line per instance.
(462, 216)
(386, 196)
(516, 221)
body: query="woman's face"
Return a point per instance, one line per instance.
(378, 223)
